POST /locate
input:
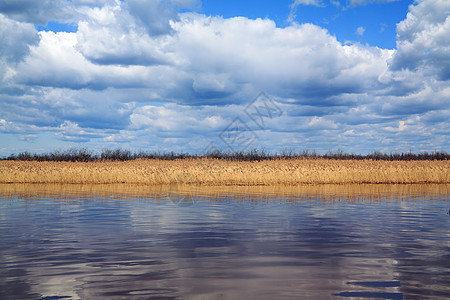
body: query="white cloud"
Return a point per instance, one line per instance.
(322, 123)
(364, 2)
(337, 3)
(111, 36)
(38, 12)
(72, 132)
(208, 60)
(180, 118)
(31, 138)
(56, 62)
(155, 15)
(296, 3)
(306, 2)
(360, 30)
(175, 81)
(16, 37)
(301, 61)
(423, 39)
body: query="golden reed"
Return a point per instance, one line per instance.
(224, 172)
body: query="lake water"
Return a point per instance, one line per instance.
(313, 242)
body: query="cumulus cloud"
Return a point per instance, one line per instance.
(156, 15)
(56, 62)
(301, 61)
(423, 39)
(37, 12)
(16, 38)
(110, 35)
(140, 74)
(72, 132)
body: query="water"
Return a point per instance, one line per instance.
(112, 242)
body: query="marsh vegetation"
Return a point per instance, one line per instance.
(86, 155)
(212, 171)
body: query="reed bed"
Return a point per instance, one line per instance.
(207, 171)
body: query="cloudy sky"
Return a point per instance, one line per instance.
(188, 75)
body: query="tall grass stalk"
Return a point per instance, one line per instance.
(214, 171)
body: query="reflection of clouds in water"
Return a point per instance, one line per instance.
(251, 245)
(61, 281)
(177, 197)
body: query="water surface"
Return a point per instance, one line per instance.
(136, 242)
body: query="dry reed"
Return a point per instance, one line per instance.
(223, 172)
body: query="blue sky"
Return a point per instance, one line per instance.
(340, 18)
(184, 75)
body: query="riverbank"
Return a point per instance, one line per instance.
(224, 172)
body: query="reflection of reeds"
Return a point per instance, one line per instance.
(327, 193)
(224, 172)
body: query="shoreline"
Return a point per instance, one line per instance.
(217, 172)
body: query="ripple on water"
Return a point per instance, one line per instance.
(115, 242)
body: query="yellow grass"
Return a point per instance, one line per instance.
(221, 172)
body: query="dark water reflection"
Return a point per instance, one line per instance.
(81, 242)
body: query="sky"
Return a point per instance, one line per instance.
(195, 76)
